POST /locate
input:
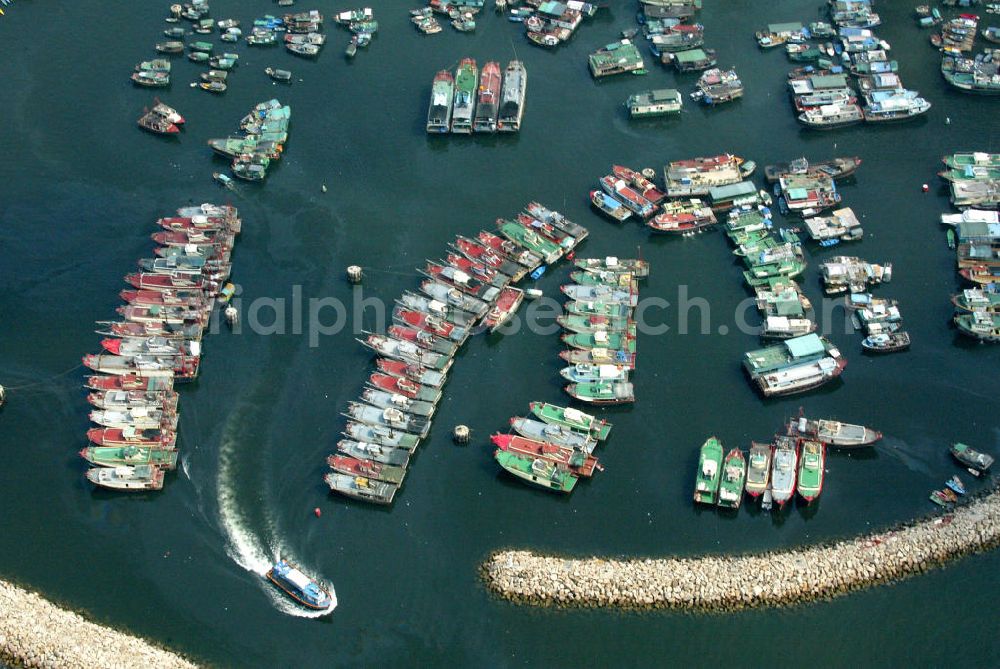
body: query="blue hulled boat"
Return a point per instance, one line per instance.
(298, 586)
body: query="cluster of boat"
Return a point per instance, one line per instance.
(462, 15)
(362, 25)
(155, 344)
(265, 131)
(975, 235)
(958, 35)
(975, 462)
(881, 321)
(469, 291)
(471, 101)
(600, 331)
(793, 462)
(157, 72)
(979, 74)
(553, 448)
(674, 40)
(161, 119)
(822, 92)
(550, 23)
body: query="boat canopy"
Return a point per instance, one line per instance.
(805, 345)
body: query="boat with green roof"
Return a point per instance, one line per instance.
(811, 463)
(795, 365)
(616, 279)
(616, 58)
(597, 308)
(602, 392)
(977, 299)
(734, 474)
(980, 325)
(706, 485)
(592, 323)
(970, 457)
(960, 161)
(571, 418)
(536, 471)
(116, 456)
(638, 267)
(529, 239)
(466, 81)
(600, 339)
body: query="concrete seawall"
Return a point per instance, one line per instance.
(36, 633)
(727, 583)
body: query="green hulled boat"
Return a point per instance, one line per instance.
(976, 159)
(761, 275)
(593, 308)
(517, 233)
(116, 456)
(706, 485)
(616, 279)
(747, 236)
(734, 474)
(979, 324)
(600, 339)
(157, 65)
(571, 418)
(540, 472)
(602, 392)
(811, 463)
(581, 323)
(204, 47)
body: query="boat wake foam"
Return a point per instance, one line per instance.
(246, 549)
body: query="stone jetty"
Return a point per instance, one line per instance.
(36, 633)
(727, 583)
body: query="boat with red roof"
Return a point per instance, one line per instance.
(579, 462)
(366, 468)
(456, 278)
(506, 305)
(476, 251)
(169, 330)
(646, 187)
(488, 99)
(404, 387)
(627, 195)
(547, 230)
(683, 216)
(429, 323)
(423, 339)
(480, 271)
(189, 298)
(184, 237)
(145, 281)
(405, 370)
(551, 217)
(129, 382)
(509, 249)
(155, 314)
(130, 436)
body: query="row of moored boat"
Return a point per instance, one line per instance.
(265, 131)
(470, 101)
(156, 343)
(468, 291)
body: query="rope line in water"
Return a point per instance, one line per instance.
(46, 380)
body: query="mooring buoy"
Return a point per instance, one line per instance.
(462, 434)
(354, 273)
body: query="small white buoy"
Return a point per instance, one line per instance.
(947, 120)
(533, 293)
(232, 315)
(462, 434)
(649, 173)
(354, 273)
(323, 188)
(3, 395)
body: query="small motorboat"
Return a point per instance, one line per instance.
(224, 179)
(304, 590)
(956, 484)
(279, 75)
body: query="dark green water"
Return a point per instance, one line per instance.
(80, 188)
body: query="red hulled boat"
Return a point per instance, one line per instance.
(578, 462)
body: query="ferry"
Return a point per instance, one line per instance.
(515, 82)
(439, 111)
(466, 79)
(298, 586)
(487, 105)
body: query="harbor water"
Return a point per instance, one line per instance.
(81, 187)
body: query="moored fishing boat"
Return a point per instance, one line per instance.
(709, 474)
(304, 590)
(388, 455)
(609, 206)
(602, 392)
(548, 250)
(600, 293)
(596, 308)
(734, 473)
(385, 400)
(127, 478)
(578, 462)
(810, 476)
(477, 252)
(384, 436)
(447, 294)
(979, 325)
(784, 469)
(627, 195)
(600, 339)
(423, 339)
(637, 267)
(131, 436)
(682, 217)
(510, 250)
(598, 356)
(407, 352)
(832, 432)
(130, 382)
(480, 271)
(437, 309)
(586, 373)
(571, 418)
(593, 323)
(758, 469)
(503, 308)
(429, 323)
(404, 386)
(557, 220)
(644, 186)
(559, 435)
(388, 417)
(140, 418)
(366, 468)
(360, 487)
(542, 473)
(118, 456)
(456, 278)
(887, 342)
(126, 399)
(976, 299)
(836, 168)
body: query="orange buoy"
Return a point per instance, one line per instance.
(317, 512)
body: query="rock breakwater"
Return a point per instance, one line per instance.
(36, 633)
(726, 583)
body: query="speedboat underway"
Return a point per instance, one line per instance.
(299, 587)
